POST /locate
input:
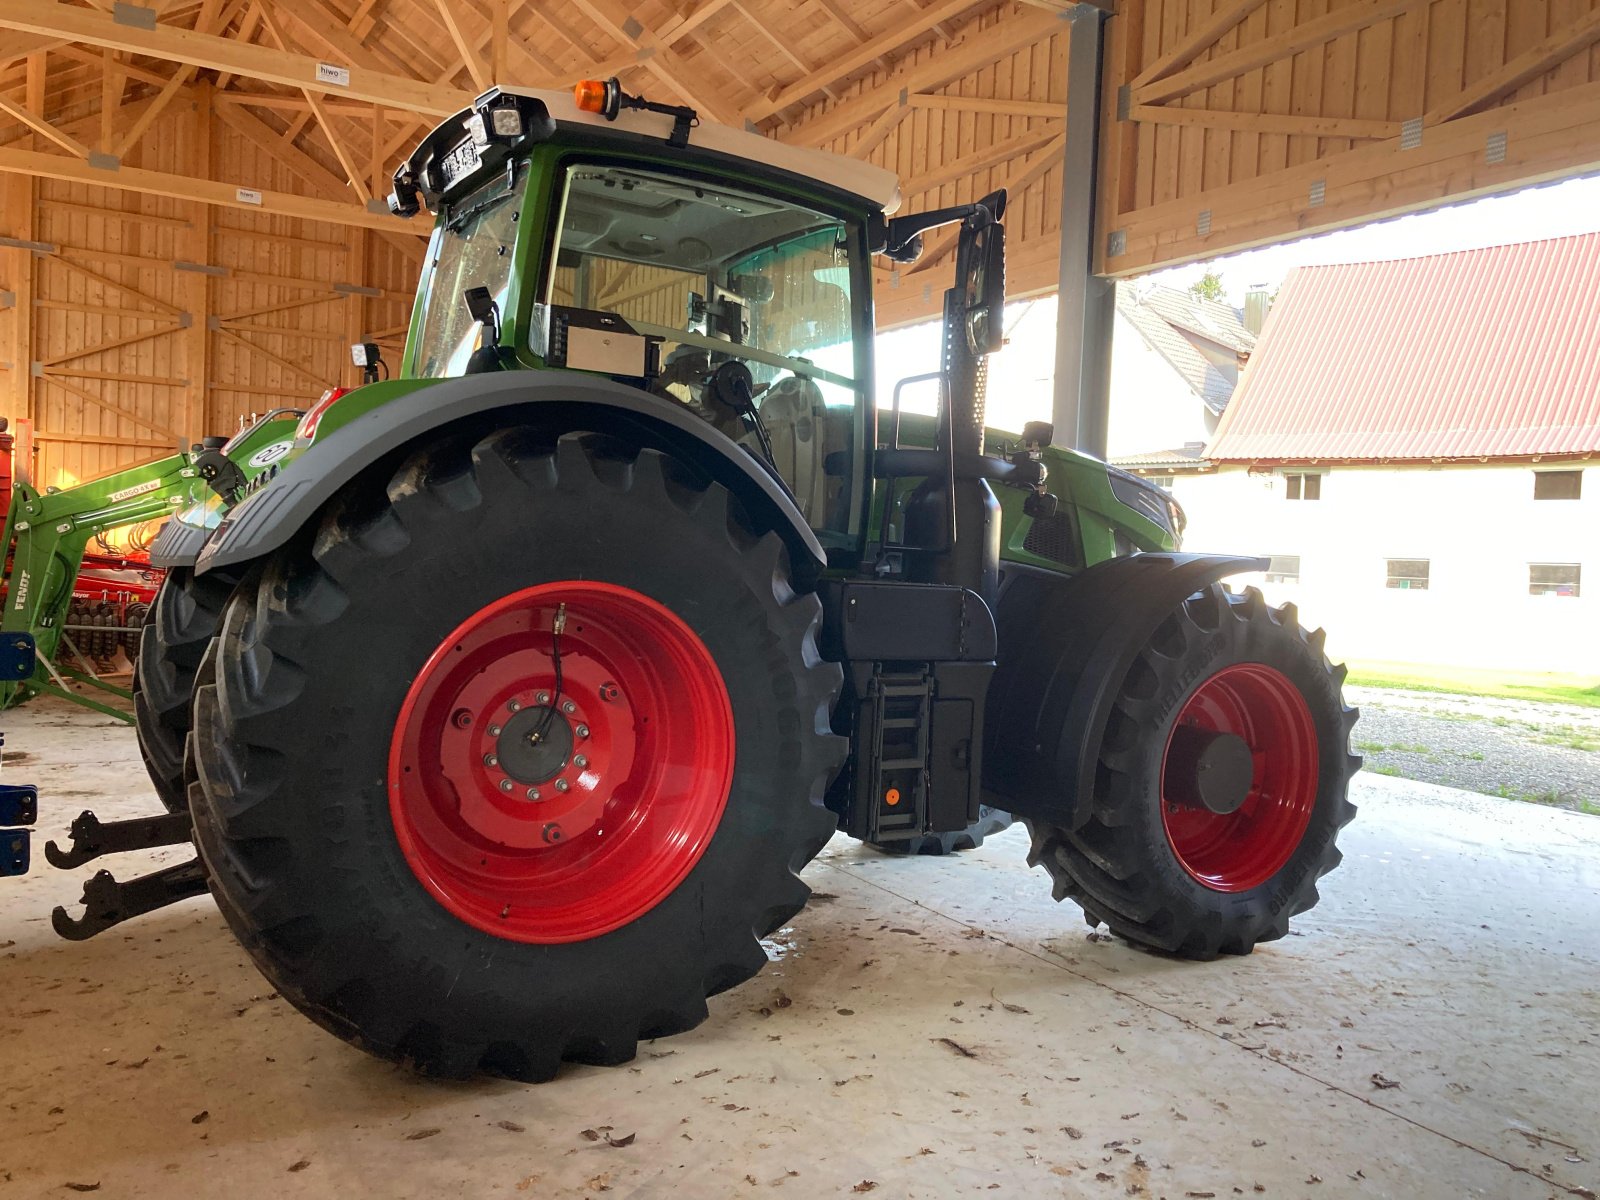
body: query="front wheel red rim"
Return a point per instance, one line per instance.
(544, 814)
(1243, 849)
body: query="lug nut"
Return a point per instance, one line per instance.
(506, 785)
(494, 731)
(515, 706)
(609, 691)
(568, 707)
(490, 760)
(544, 697)
(563, 786)
(583, 731)
(533, 793)
(580, 761)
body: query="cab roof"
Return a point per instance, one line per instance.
(881, 188)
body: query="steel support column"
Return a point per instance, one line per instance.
(1087, 304)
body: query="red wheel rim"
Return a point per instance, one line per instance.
(568, 835)
(1237, 851)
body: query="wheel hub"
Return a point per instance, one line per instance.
(535, 744)
(1239, 777)
(547, 806)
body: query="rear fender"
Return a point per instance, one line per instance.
(1066, 644)
(562, 399)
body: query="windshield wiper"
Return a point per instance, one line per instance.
(477, 210)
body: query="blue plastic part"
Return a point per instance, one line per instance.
(19, 804)
(14, 851)
(17, 660)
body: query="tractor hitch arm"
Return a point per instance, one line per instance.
(93, 838)
(108, 901)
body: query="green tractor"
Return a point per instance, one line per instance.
(510, 704)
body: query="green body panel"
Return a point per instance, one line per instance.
(1080, 482)
(47, 533)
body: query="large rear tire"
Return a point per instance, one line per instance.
(176, 630)
(377, 812)
(1176, 857)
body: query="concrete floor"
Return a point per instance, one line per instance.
(928, 1028)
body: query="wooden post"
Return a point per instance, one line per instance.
(355, 305)
(194, 245)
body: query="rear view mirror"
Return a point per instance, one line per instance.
(985, 288)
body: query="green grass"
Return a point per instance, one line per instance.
(1571, 737)
(1467, 681)
(1396, 747)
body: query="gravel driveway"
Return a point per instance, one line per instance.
(1545, 753)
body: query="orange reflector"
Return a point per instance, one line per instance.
(590, 95)
(892, 797)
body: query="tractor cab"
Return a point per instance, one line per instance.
(712, 268)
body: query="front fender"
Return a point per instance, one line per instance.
(267, 519)
(1066, 643)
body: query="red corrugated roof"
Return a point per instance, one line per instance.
(1490, 352)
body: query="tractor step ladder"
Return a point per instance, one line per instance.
(898, 710)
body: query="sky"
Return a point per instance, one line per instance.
(1021, 374)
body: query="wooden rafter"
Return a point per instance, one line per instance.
(464, 48)
(974, 50)
(335, 138)
(58, 378)
(44, 128)
(1533, 62)
(878, 132)
(663, 61)
(1296, 40)
(1203, 38)
(181, 187)
(226, 54)
(1354, 128)
(889, 42)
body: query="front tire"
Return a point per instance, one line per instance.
(370, 855)
(1226, 685)
(176, 630)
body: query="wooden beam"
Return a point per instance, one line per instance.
(499, 35)
(58, 19)
(351, 172)
(468, 54)
(996, 154)
(163, 98)
(1524, 68)
(1203, 38)
(896, 38)
(179, 187)
(878, 132)
(1296, 40)
(42, 127)
(1555, 137)
(974, 50)
(127, 414)
(983, 104)
(1354, 128)
(678, 28)
(664, 62)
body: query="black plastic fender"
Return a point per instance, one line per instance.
(178, 544)
(1066, 643)
(563, 399)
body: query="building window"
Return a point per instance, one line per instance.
(1283, 568)
(1161, 481)
(1557, 485)
(1408, 574)
(1553, 579)
(1299, 485)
